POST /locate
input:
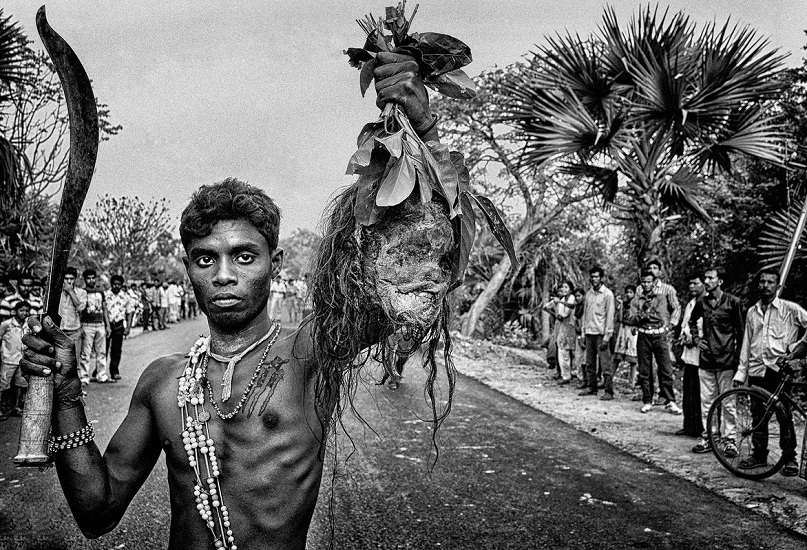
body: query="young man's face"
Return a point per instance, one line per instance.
(22, 313)
(710, 280)
(767, 285)
(647, 283)
(695, 287)
(89, 281)
(24, 287)
(655, 269)
(596, 279)
(69, 280)
(231, 271)
(116, 286)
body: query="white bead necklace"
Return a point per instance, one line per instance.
(201, 448)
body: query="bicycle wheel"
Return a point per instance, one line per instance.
(746, 417)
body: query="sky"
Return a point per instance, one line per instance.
(260, 90)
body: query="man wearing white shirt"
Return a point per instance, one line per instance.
(771, 327)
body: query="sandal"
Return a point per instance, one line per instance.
(791, 469)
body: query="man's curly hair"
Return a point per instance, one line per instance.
(231, 199)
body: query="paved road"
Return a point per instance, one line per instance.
(508, 477)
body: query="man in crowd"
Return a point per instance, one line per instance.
(579, 361)
(165, 304)
(6, 288)
(723, 328)
(690, 355)
(654, 312)
(25, 284)
(174, 301)
(120, 310)
(72, 302)
(772, 325)
(625, 350)
(598, 328)
(12, 384)
(136, 300)
(94, 330)
(153, 298)
(192, 309)
(277, 295)
(268, 451)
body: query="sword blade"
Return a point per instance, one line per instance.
(83, 153)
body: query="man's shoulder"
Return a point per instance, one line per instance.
(163, 368)
(9, 301)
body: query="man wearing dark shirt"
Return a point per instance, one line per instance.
(723, 327)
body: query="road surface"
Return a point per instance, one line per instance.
(508, 476)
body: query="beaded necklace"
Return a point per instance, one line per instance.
(200, 446)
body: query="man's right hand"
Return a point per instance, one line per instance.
(50, 352)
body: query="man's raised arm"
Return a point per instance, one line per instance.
(98, 488)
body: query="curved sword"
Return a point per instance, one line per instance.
(35, 427)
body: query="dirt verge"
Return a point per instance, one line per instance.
(523, 375)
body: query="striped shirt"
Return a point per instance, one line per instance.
(7, 305)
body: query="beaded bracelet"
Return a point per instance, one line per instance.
(71, 440)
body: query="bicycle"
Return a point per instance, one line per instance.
(762, 420)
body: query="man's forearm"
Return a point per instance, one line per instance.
(83, 476)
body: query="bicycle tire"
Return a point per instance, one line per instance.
(743, 399)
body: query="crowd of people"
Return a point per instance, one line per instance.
(97, 319)
(713, 340)
(289, 295)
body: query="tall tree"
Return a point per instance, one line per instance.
(12, 189)
(298, 251)
(647, 110)
(34, 120)
(495, 155)
(123, 235)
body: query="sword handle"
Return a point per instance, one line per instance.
(35, 426)
(36, 417)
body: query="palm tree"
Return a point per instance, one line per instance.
(12, 191)
(647, 112)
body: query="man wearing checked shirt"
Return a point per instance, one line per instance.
(771, 327)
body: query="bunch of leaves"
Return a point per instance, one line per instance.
(439, 56)
(392, 161)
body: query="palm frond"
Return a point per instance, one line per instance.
(736, 66)
(680, 190)
(776, 236)
(12, 49)
(749, 131)
(604, 180)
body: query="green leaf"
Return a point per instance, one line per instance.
(463, 175)
(366, 76)
(361, 157)
(497, 227)
(465, 233)
(369, 131)
(444, 176)
(357, 56)
(441, 53)
(365, 209)
(392, 143)
(398, 183)
(454, 84)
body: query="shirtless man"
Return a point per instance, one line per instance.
(244, 472)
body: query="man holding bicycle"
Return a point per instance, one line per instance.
(772, 326)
